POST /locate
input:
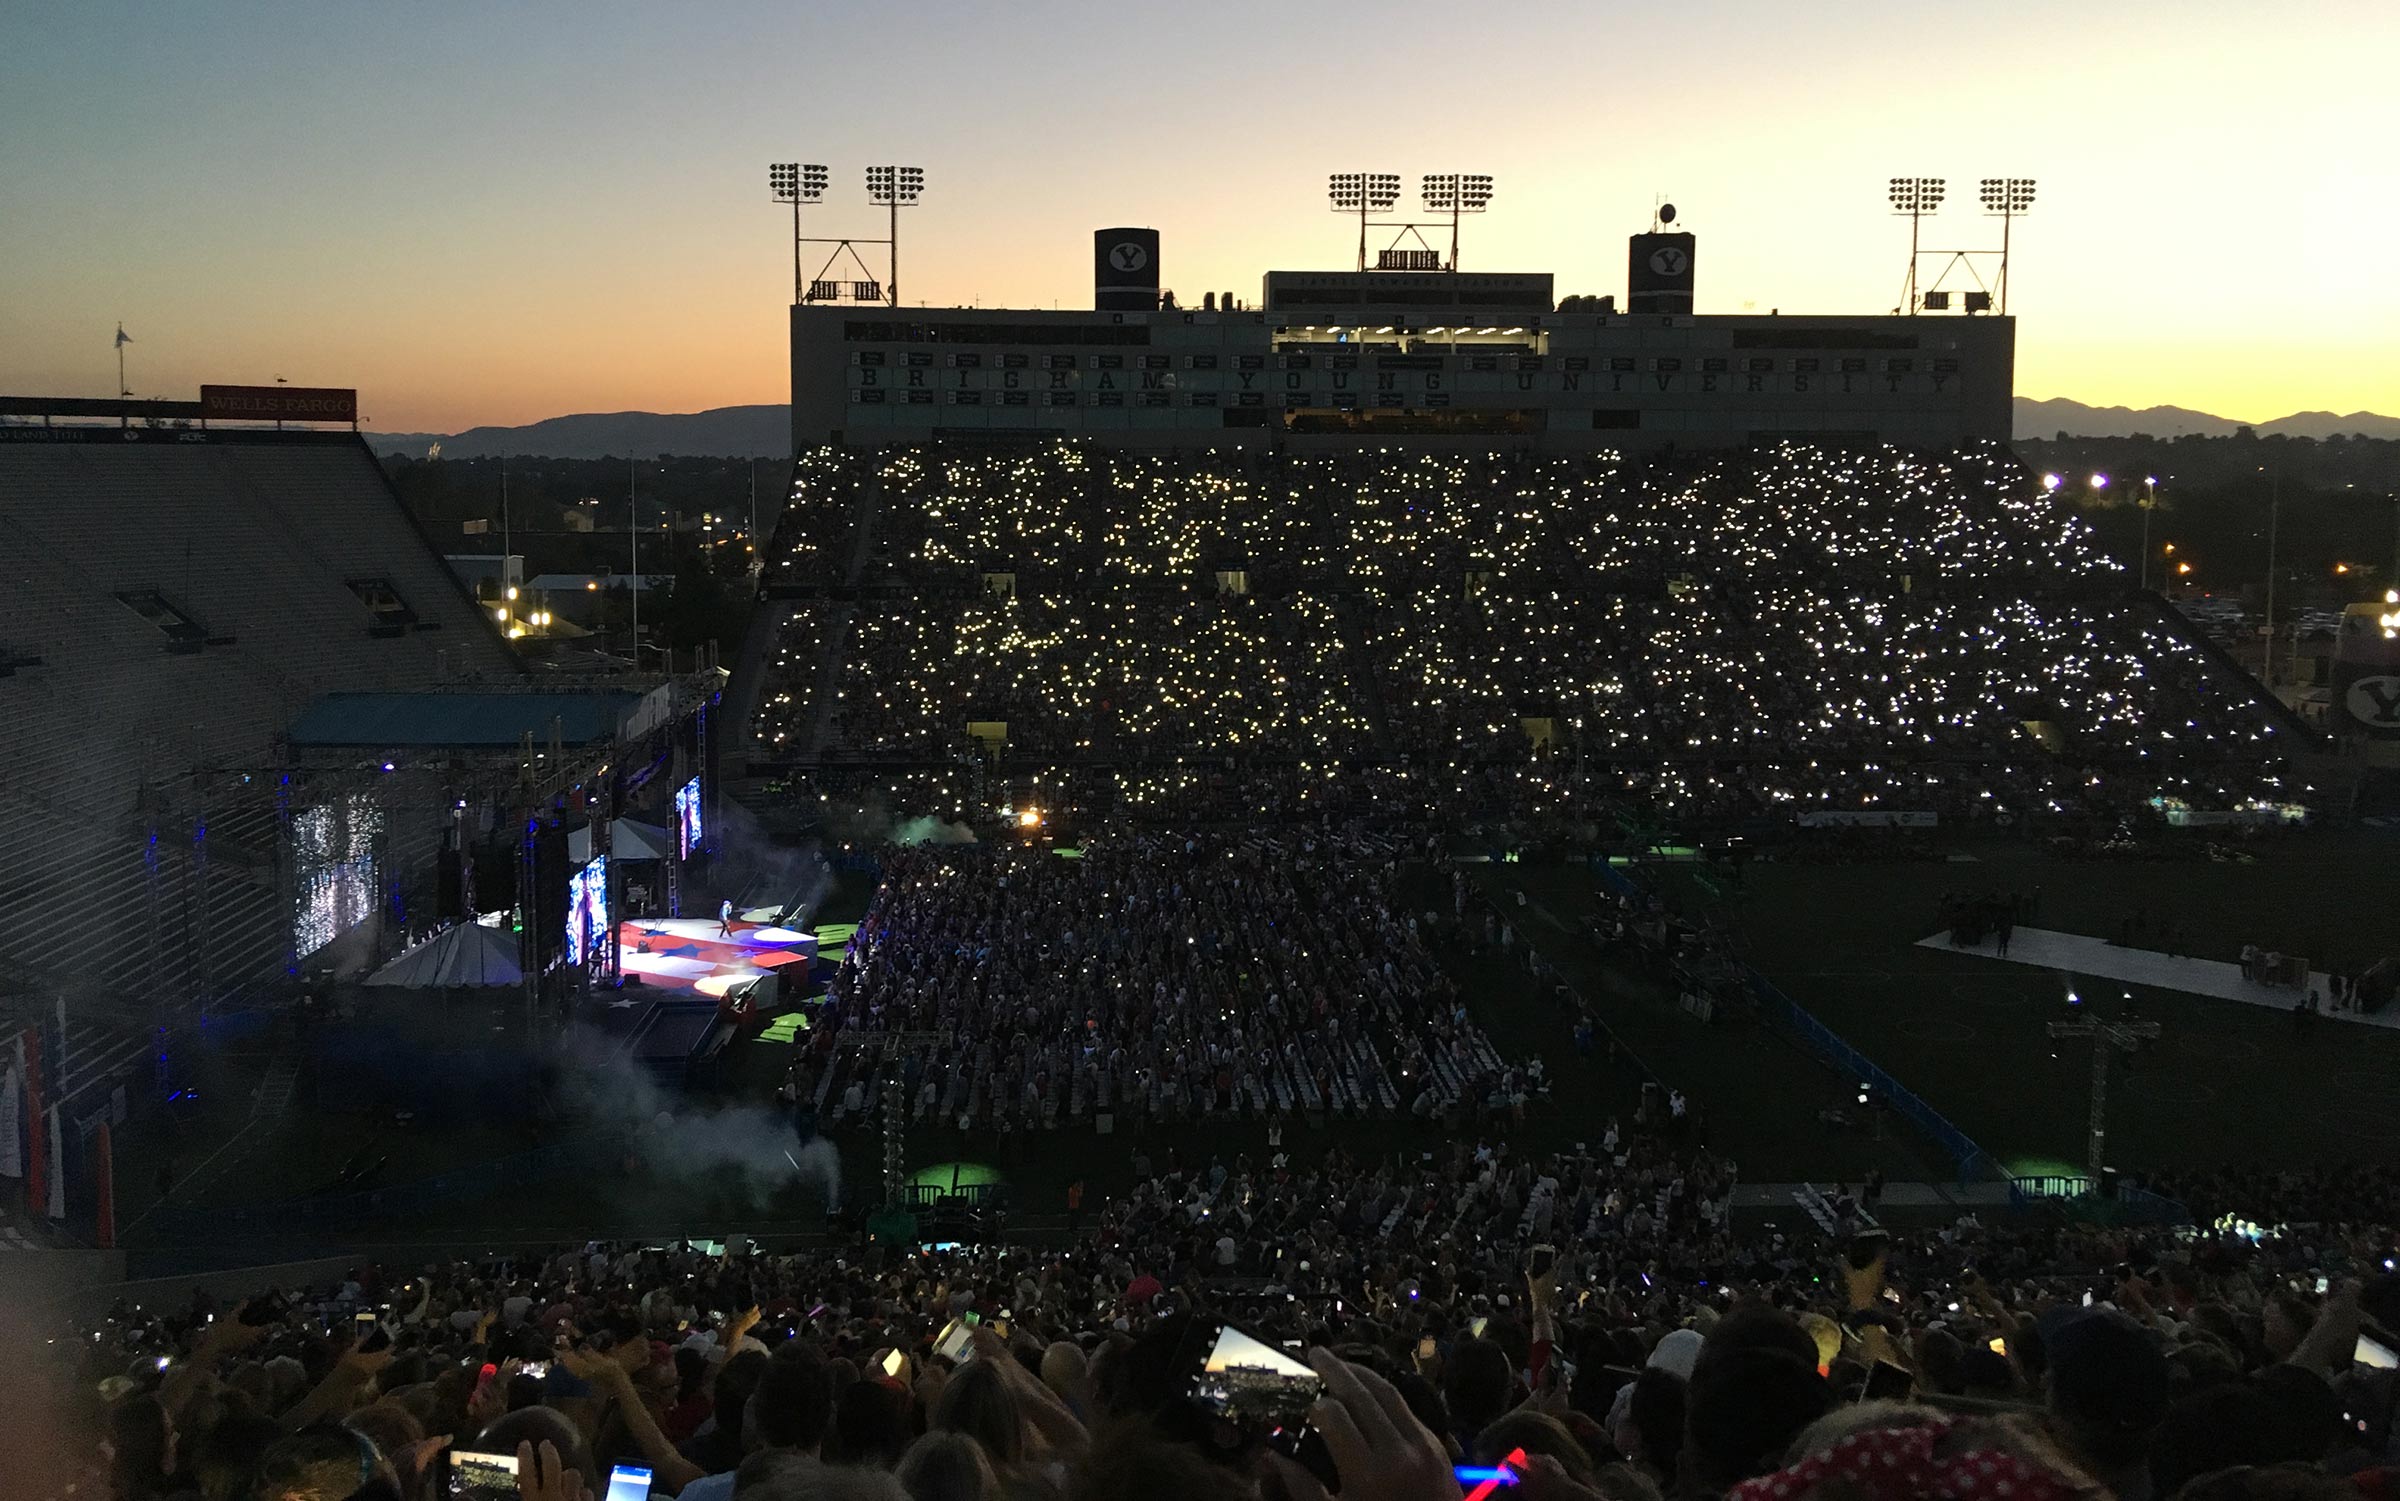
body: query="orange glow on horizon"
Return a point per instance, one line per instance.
(527, 212)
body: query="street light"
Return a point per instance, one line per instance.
(1456, 193)
(796, 183)
(1362, 193)
(2148, 503)
(2006, 197)
(895, 188)
(1916, 197)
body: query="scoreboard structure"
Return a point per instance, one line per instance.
(1336, 358)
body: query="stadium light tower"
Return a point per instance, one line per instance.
(1362, 193)
(895, 188)
(1456, 193)
(2006, 197)
(1916, 197)
(796, 183)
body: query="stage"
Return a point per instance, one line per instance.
(2076, 954)
(692, 953)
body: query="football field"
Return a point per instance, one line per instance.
(2226, 1082)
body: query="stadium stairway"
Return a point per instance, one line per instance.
(2176, 624)
(1362, 663)
(829, 666)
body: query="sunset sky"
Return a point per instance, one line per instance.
(496, 213)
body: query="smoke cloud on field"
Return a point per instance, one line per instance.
(931, 831)
(753, 1142)
(761, 873)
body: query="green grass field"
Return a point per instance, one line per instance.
(2227, 1082)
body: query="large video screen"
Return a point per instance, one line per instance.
(333, 845)
(688, 829)
(587, 911)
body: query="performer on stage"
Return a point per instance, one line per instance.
(725, 918)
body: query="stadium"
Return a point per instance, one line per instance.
(1518, 881)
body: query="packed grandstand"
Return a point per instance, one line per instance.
(1728, 636)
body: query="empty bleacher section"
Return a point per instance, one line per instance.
(175, 600)
(1766, 632)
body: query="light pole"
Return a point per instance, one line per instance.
(796, 183)
(895, 188)
(2266, 633)
(2006, 197)
(1362, 193)
(1457, 193)
(633, 580)
(1916, 197)
(2148, 503)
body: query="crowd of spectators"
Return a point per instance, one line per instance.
(1758, 633)
(1151, 977)
(1597, 1322)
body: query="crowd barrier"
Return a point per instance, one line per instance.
(2081, 1198)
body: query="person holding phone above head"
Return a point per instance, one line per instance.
(1378, 1447)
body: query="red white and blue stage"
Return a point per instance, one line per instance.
(688, 988)
(694, 953)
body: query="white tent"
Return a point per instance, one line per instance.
(627, 840)
(460, 957)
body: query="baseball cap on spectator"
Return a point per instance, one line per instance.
(2309, 1415)
(1142, 1289)
(1985, 1373)
(1753, 1388)
(2105, 1370)
(1477, 1382)
(2213, 1429)
(1677, 1352)
(793, 1404)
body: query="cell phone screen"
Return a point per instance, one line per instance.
(1252, 1382)
(628, 1483)
(2374, 1352)
(893, 1362)
(483, 1477)
(957, 1342)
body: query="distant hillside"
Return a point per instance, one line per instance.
(730, 432)
(2043, 419)
(765, 431)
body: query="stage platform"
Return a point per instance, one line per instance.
(2097, 958)
(693, 953)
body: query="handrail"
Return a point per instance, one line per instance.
(1973, 1162)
